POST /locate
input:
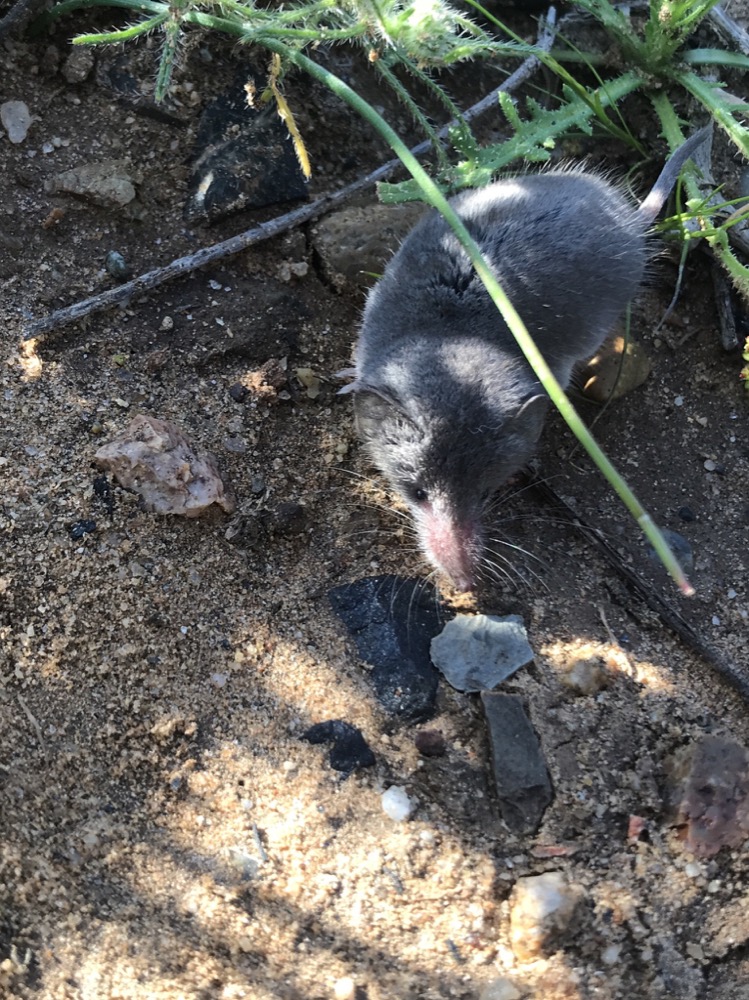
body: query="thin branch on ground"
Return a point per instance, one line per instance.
(123, 294)
(667, 614)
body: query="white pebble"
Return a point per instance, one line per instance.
(344, 989)
(731, 594)
(610, 955)
(397, 804)
(710, 465)
(715, 620)
(693, 869)
(679, 401)
(500, 989)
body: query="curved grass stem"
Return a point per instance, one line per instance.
(434, 197)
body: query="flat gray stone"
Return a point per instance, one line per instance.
(107, 183)
(478, 652)
(520, 773)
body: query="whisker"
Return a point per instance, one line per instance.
(516, 548)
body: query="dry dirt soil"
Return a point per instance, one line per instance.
(164, 831)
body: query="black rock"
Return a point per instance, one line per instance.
(244, 157)
(392, 620)
(686, 514)
(350, 750)
(520, 773)
(238, 392)
(103, 493)
(81, 528)
(117, 266)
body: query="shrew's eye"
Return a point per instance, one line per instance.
(419, 494)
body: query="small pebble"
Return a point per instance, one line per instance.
(542, 912)
(731, 593)
(678, 545)
(16, 120)
(81, 528)
(584, 675)
(117, 266)
(430, 743)
(350, 750)
(500, 989)
(710, 465)
(686, 514)
(344, 989)
(679, 401)
(610, 955)
(78, 64)
(235, 444)
(396, 803)
(238, 392)
(715, 620)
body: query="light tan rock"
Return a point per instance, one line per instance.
(156, 460)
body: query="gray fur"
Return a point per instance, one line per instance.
(445, 402)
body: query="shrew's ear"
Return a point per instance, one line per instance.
(372, 407)
(531, 416)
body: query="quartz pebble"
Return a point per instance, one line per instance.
(153, 458)
(396, 803)
(542, 909)
(344, 989)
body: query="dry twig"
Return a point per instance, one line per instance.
(283, 223)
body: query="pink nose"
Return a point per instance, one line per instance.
(452, 548)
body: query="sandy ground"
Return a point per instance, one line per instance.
(164, 831)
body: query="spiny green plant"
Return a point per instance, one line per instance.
(426, 35)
